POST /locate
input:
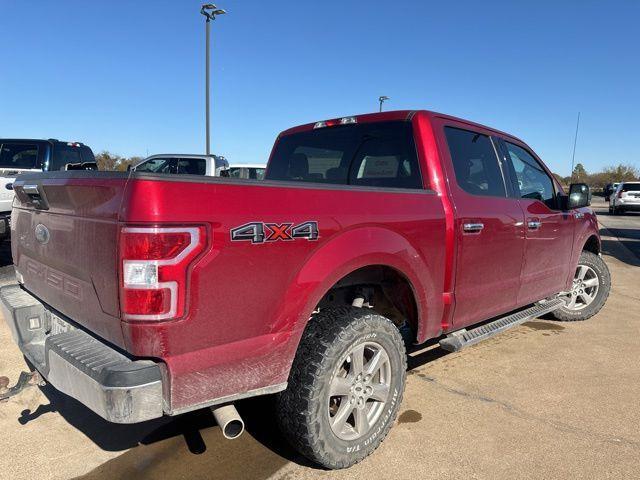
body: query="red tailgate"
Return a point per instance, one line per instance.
(64, 240)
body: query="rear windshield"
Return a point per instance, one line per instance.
(379, 154)
(64, 155)
(631, 187)
(19, 155)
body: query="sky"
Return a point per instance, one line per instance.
(128, 76)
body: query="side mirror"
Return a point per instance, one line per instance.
(579, 196)
(129, 168)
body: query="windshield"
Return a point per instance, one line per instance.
(631, 187)
(19, 156)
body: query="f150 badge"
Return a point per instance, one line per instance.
(258, 232)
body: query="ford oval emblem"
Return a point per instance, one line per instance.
(42, 234)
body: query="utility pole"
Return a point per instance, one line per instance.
(382, 99)
(575, 141)
(209, 10)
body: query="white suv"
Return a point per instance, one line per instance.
(625, 197)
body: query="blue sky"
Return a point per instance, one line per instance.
(128, 76)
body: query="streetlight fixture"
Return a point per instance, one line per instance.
(382, 99)
(210, 11)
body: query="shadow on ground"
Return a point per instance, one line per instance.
(626, 246)
(163, 447)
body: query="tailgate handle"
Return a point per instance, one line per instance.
(35, 197)
(31, 190)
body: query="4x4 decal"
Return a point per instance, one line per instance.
(259, 232)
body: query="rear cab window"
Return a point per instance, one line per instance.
(380, 154)
(64, 155)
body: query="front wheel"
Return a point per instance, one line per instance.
(590, 289)
(345, 386)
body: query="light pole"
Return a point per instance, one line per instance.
(209, 10)
(382, 99)
(575, 141)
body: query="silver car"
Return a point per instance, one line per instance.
(626, 197)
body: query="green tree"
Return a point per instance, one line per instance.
(107, 160)
(579, 173)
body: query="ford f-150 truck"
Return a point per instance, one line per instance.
(144, 295)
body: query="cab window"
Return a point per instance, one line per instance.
(475, 163)
(531, 180)
(192, 166)
(19, 155)
(64, 155)
(379, 154)
(157, 165)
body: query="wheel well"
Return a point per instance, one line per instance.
(383, 289)
(592, 245)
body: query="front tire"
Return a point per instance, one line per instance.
(591, 287)
(345, 386)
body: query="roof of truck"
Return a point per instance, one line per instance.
(398, 115)
(41, 140)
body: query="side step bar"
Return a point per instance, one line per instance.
(462, 338)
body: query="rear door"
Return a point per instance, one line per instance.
(489, 226)
(549, 230)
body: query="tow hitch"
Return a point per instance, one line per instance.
(26, 379)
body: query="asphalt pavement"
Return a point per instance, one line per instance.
(543, 400)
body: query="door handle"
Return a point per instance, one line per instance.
(534, 224)
(472, 227)
(578, 215)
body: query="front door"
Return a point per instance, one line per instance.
(489, 227)
(549, 231)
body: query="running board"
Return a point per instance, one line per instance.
(462, 338)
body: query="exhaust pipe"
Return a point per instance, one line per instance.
(229, 420)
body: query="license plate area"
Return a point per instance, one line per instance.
(58, 325)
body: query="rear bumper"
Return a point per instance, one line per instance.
(628, 206)
(115, 387)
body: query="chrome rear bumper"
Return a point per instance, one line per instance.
(117, 388)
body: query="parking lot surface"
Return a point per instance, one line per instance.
(543, 400)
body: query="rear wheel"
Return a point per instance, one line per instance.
(345, 386)
(590, 289)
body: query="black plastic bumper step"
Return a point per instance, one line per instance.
(462, 338)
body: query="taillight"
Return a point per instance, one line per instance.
(620, 194)
(154, 269)
(335, 121)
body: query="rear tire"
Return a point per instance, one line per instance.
(591, 287)
(345, 386)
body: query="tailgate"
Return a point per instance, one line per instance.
(64, 245)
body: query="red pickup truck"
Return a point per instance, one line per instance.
(144, 295)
